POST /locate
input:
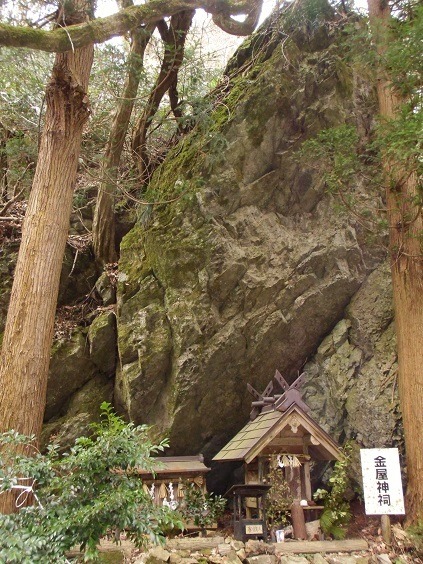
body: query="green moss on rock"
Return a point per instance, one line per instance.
(70, 368)
(102, 339)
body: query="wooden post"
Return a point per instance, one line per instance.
(298, 521)
(386, 529)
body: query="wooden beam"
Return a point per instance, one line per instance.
(268, 390)
(284, 442)
(281, 380)
(253, 392)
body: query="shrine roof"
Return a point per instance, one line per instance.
(257, 434)
(177, 465)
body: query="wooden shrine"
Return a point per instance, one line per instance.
(281, 428)
(171, 475)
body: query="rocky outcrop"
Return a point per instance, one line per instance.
(351, 380)
(81, 377)
(253, 268)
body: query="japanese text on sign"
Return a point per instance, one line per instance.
(382, 481)
(254, 529)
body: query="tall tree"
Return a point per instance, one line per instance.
(29, 330)
(104, 214)
(29, 327)
(404, 205)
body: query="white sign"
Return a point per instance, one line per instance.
(254, 529)
(382, 481)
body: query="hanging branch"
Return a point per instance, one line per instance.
(174, 37)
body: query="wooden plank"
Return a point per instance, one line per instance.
(298, 382)
(281, 380)
(253, 392)
(313, 547)
(268, 390)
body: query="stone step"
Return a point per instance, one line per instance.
(313, 547)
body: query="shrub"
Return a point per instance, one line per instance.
(203, 509)
(279, 498)
(336, 514)
(82, 495)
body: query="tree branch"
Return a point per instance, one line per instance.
(174, 37)
(75, 36)
(234, 27)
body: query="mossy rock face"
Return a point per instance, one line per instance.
(70, 368)
(78, 276)
(102, 341)
(82, 410)
(351, 381)
(251, 267)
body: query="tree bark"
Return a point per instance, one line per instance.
(29, 327)
(104, 218)
(406, 228)
(174, 38)
(102, 29)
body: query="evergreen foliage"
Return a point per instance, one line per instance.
(203, 509)
(336, 514)
(346, 159)
(279, 497)
(81, 496)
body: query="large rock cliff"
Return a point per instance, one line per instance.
(253, 268)
(249, 267)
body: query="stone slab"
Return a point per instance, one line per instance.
(194, 544)
(312, 547)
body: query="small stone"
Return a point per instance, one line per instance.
(216, 559)
(259, 547)
(262, 559)
(318, 559)
(241, 554)
(293, 560)
(224, 549)
(158, 553)
(237, 545)
(175, 558)
(106, 290)
(383, 559)
(141, 558)
(341, 559)
(313, 529)
(231, 558)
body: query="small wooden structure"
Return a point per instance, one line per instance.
(281, 428)
(171, 475)
(249, 526)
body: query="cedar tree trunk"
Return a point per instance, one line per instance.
(30, 320)
(406, 228)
